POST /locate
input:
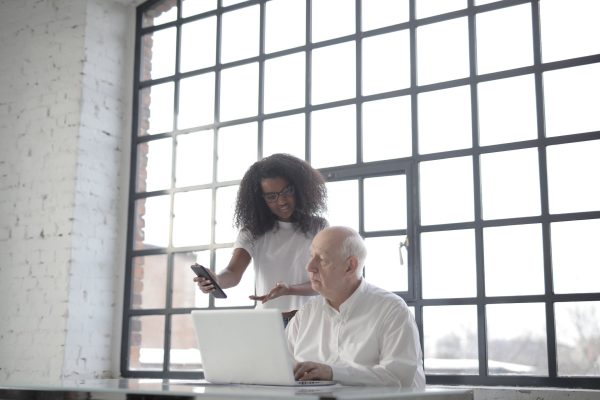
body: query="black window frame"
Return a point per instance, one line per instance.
(362, 170)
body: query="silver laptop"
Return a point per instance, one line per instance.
(245, 346)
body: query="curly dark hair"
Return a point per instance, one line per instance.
(251, 210)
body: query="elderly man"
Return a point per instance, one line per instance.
(354, 332)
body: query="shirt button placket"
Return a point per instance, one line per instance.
(337, 335)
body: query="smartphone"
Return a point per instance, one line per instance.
(203, 272)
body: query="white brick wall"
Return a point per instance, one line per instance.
(63, 164)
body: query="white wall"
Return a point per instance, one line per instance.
(65, 69)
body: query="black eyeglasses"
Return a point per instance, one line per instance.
(271, 197)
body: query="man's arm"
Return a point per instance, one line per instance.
(400, 362)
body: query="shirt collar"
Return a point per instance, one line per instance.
(284, 225)
(347, 305)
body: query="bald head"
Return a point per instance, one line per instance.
(344, 242)
(337, 256)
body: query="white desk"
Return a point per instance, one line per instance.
(155, 389)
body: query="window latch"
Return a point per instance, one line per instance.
(400, 246)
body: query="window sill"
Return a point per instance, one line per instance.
(528, 393)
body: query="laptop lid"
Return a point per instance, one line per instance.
(244, 346)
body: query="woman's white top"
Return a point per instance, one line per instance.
(279, 255)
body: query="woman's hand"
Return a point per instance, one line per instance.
(204, 284)
(280, 289)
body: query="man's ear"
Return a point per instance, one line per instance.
(351, 264)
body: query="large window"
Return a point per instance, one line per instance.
(461, 138)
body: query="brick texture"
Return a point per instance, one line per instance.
(62, 167)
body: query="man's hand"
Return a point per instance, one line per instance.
(280, 289)
(312, 371)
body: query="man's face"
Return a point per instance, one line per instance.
(280, 197)
(326, 269)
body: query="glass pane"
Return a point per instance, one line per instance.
(450, 340)
(192, 221)
(151, 222)
(239, 92)
(571, 98)
(285, 25)
(502, 97)
(448, 264)
(578, 338)
(428, 8)
(227, 3)
(146, 342)
(240, 34)
(158, 54)
(569, 28)
(184, 354)
(333, 128)
(193, 7)
(380, 13)
(510, 184)
(194, 158)
(224, 230)
(285, 81)
(333, 73)
(156, 109)
(285, 135)
(236, 296)
(160, 13)
(196, 54)
(325, 12)
(148, 282)
(386, 62)
(385, 267)
(444, 43)
(385, 190)
(499, 48)
(238, 146)
(445, 120)
(446, 190)
(342, 203)
(514, 260)
(154, 165)
(573, 176)
(576, 256)
(516, 336)
(387, 129)
(196, 101)
(185, 292)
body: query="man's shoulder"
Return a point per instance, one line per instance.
(384, 299)
(312, 306)
(314, 302)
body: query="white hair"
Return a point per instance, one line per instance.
(354, 246)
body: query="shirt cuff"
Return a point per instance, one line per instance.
(340, 374)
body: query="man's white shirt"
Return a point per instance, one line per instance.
(372, 340)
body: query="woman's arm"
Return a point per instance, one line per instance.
(283, 289)
(231, 275)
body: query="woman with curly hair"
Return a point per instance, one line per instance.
(278, 208)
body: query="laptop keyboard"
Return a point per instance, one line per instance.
(314, 383)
